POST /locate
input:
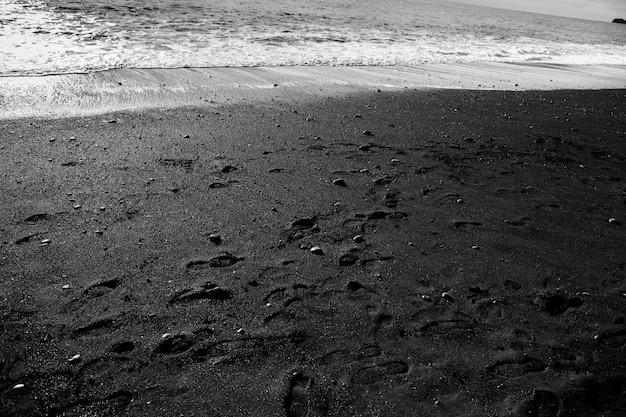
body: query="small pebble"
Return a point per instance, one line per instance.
(18, 386)
(475, 247)
(359, 238)
(395, 161)
(240, 330)
(427, 298)
(364, 147)
(613, 220)
(166, 335)
(446, 296)
(45, 242)
(74, 359)
(339, 182)
(102, 208)
(77, 206)
(367, 133)
(317, 250)
(66, 287)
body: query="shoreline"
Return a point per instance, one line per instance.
(470, 257)
(67, 95)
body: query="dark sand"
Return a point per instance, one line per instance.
(489, 280)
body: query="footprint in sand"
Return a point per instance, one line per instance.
(543, 403)
(175, 344)
(206, 291)
(522, 221)
(557, 303)
(461, 224)
(97, 327)
(516, 367)
(304, 397)
(372, 374)
(220, 261)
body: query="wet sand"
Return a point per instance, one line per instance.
(433, 252)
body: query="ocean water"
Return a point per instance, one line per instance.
(70, 36)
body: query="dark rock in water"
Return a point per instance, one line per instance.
(619, 20)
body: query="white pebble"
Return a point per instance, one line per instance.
(74, 359)
(446, 296)
(359, 238)
(317, 250)
(166, 335)
(66, 287)
(18, 386)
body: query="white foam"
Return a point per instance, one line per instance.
(133, 89)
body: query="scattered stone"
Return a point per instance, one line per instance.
(364, 148)
(368, 133)
(427, 298)
(613, 220)
(359, 238)
(77, 206)
(339, 182)
(395, 161)
(45, 242)
(186, 136)
(75, 359)
(316, 250)
(66, 287)
(215, 238)
(447, 296)
(18, 386)
(475, 247)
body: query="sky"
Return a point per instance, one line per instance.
(604, 10)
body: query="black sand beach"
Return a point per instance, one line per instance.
(433, 252)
